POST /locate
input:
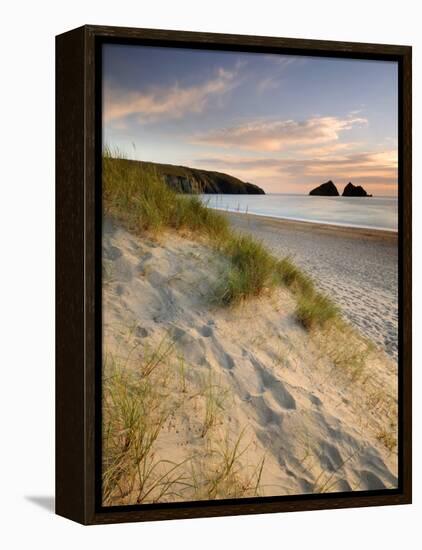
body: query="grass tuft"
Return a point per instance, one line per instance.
(294, 278)
(215, 397)
(315, 310)
(135, 410)
(252, 269)
(221, 472)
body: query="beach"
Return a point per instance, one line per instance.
(358, 268)
(243, 401)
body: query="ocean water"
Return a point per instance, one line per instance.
(368, 212)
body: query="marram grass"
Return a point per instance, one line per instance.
(138, 197)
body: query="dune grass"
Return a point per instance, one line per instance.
(313, 308)
(136, 406)
(215, 402)
(294, 278)
(221, 473)
(137, 196)
(252, 269)
(139, 406)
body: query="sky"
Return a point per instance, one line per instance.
(285, 123)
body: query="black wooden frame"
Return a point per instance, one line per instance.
(78, 262)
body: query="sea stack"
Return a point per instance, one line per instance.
(354, 191)
(327, 189)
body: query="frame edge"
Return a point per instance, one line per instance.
(70, 326)
(75, 200)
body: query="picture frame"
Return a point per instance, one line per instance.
(78, 274)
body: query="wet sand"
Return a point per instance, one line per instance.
(358, 268)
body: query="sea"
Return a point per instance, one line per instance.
(366, 212)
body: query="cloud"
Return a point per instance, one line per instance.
(362, 162)
(267, 84)
(279, 65)
(330, 149)
(234, 162)
(374, 170)
(370, 164)
(276, 135)
(165, 103)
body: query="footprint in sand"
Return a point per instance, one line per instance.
(120, 290)
(206, 331)
(122, 270)
(221, 356)
(277, 389)
(192, 348)
(266, 415)
(330, 457)
(141, 332)
(315, 400)
(342, 485)
(112, 253)
(370, 481)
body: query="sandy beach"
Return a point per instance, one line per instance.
(249, 382)
(357, 268)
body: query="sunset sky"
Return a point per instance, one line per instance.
(285, 123)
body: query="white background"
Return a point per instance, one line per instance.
(27, 271)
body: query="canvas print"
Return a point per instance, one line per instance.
(249, 275)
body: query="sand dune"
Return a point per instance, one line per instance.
(312, 427)
(357, 268)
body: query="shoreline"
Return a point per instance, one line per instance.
(350, 230)
(357, 268)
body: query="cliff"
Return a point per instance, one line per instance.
(193, 180)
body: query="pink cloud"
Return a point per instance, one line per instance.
(276, 135)
(172, 102)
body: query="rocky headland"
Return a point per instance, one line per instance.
(193, 180)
